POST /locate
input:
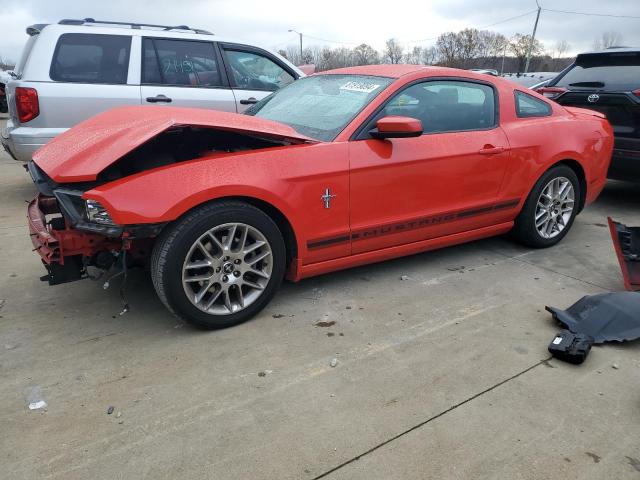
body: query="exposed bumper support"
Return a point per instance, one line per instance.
(626, 241)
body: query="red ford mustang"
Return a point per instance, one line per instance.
(345, 168)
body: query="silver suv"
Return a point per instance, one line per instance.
(75, 69)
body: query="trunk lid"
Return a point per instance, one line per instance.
(82, 152)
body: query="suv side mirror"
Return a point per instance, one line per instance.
(397, 127)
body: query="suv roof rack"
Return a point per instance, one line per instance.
(84, 21)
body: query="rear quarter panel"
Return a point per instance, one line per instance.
(538, 143)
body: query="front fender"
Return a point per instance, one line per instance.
(290, 178)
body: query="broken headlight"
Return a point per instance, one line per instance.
(96, 213)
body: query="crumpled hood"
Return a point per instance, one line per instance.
(82, 152)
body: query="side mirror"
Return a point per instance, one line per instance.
(397, 127)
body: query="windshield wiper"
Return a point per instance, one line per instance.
(587, 84)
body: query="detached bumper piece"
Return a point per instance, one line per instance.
(61, 247)
(571, 347)
(626, 241)
(606, 317)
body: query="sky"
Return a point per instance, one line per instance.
(338, 22)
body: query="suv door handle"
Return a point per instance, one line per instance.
(248, 101)
(159, 98)
(491, 150)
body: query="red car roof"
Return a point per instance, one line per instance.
(392, 71)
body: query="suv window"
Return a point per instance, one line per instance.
(610, 71)
(180, 62)
(91, 58)
(445, 106)
(530, 106)
(252, 71)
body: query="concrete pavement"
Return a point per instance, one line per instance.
(443, 375)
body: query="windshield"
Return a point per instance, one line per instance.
(607, 71)
(320, 106)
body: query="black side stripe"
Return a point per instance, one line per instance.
(414, 224)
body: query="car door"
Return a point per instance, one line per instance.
(254, 73)
(184, 73)
(443, 182)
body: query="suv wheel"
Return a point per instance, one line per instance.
(550, 209)
(219, 265)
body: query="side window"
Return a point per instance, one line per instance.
(180, 62)
(251, 71)
(91, 58)
(530, 106)
(446, 105)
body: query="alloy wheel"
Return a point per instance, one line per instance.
(555, 207)
(227, 268)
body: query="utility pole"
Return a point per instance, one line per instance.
(504, 54)
(533, 38)
(291, 30)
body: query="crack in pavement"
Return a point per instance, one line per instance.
(430, 419)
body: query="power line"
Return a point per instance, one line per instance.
(592, 14)
(483, 27)
(329, 41)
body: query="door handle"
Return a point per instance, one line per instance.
(159, 98)
(248, 101)
(491, 150)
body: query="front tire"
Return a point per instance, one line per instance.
(219, 265)
(550, 209)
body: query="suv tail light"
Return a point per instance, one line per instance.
(636, 92)
(551, 92)
(27, 103)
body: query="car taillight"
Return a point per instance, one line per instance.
(551, 92)
(636, 92)
(27, 104)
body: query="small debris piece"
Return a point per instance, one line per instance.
(120, 422)
(9, 346)
(341, 334)
(262, 374)
(325, 324)
(37, 405)
(455, 269)
(277, 315)
(596, 458)
(348, 307)
(110, 410)
(404, 277)
(118, 415)
(332, 395)
(615, 366)
(330, 334)
(333, 362)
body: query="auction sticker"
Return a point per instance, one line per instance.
(360, 87)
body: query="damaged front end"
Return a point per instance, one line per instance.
(72, 234)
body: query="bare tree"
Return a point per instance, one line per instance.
(560, 49)
(519, 46)
(365, 55)
(448, 48)
(607, 40)
(429, 55)
(414, 56)
(393, 51)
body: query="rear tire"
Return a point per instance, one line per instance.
(550, 209)
(219, 265)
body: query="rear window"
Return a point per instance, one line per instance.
(619, 71)
(529, 106)
(91, 58)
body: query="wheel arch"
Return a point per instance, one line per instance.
(578, 169)
(283, 223)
